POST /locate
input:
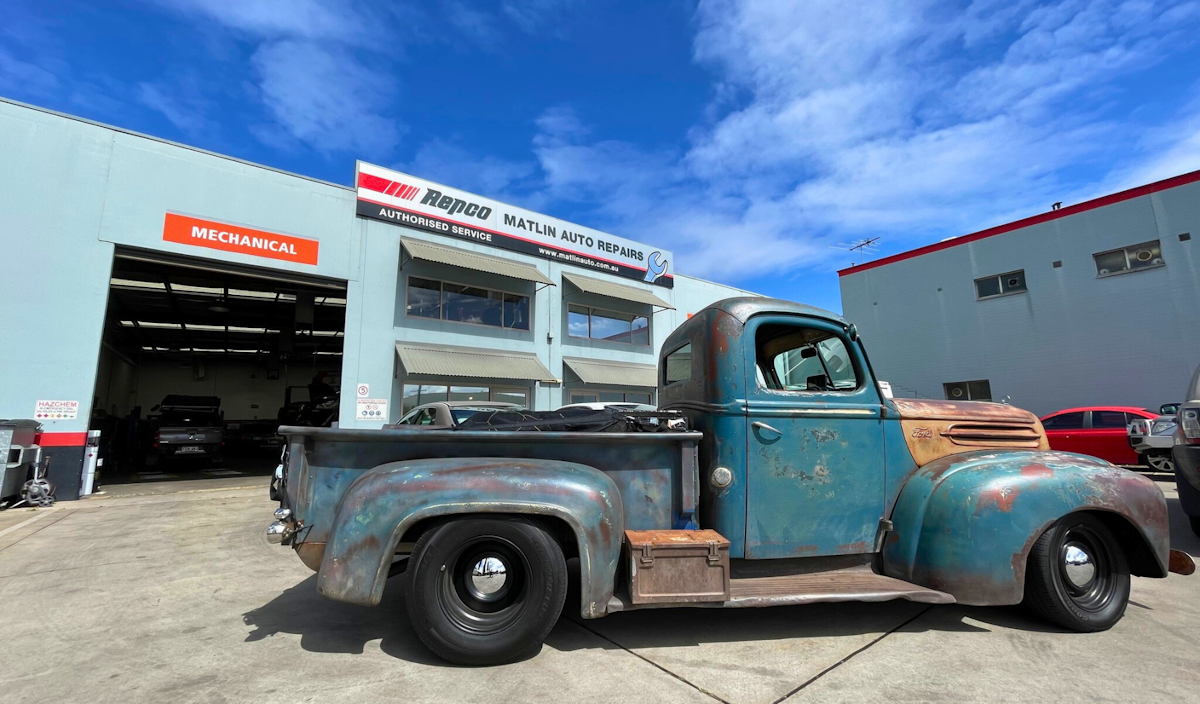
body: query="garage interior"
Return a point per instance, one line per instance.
(192, 346)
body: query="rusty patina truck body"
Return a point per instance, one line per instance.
(823, 488)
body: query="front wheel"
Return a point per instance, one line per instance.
(485, 591)
(1077, 575)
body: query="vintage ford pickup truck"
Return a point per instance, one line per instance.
(797, 482)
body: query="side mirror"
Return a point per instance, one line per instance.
(852, 332)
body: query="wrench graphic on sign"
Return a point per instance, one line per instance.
(657, 266)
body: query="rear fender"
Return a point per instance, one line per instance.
(964, 524)
(387, 500)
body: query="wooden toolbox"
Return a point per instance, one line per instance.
(677, 566)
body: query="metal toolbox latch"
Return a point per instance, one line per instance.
(647, 555)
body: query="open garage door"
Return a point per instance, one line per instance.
(201, 362)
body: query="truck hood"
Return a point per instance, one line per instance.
(925, 409)
(936, 429)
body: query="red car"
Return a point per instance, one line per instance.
(1099, 431)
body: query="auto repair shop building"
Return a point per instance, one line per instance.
(1092, 304)
(137, 268)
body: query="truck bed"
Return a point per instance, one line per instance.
(656, 473)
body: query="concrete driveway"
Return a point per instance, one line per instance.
(175, 595)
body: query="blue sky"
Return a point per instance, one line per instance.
(752, 138)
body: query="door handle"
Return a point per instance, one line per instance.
(763, 426)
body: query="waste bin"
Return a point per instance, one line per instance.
(19, 453)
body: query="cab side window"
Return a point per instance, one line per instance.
(1064, 421)
(792, 358)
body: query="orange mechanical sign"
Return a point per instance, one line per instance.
(243, 240)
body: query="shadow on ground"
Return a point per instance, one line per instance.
(326, 626)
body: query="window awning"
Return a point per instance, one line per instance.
(614, 290)
(598, 371)
(430, 252)
(445, 360)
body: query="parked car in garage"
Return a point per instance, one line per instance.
(1186, 453)
(447, 414)
(601, 405)
(1100, 431)
(189, 426)
(1152, 439)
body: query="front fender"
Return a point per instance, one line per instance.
(387, 500)
(964, 524)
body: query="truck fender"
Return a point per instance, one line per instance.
(964, 524)
(381, 505)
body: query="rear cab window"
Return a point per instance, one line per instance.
(677, 366)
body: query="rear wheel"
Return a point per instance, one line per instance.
(1160, 462)
(1077, 576)
(1195, 524)
(485, 591)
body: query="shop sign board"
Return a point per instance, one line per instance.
(197, 232)
(413, 202)
(372, 409)
(56, 410)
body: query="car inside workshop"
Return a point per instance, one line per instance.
(201, 362)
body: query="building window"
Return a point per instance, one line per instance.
(1146, 255)
(599, 324)
(1000, 284)
(980, 390)
(594, 396)
(420, 394)
(441, 300)
(678, 365)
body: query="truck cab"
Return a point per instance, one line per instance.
(795, 480)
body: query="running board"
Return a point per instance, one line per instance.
(812, 588)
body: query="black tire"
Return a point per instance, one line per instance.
(1195, 524)
(1060, 594)
(468, 624)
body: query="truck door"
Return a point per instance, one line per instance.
(815, 467)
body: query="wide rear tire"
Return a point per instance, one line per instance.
(485, 591)
(1077, 576)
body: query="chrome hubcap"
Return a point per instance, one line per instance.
(488, 577)
(1078, 566)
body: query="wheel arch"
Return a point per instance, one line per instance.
(965, 524)
(393, 502)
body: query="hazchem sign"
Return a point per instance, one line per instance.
(56, 410)
(182, 229)
(406, 200)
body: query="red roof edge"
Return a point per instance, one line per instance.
(1085, 206)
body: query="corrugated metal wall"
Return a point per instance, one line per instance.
(1074, 339)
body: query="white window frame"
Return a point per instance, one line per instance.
(441, 292)
(591, 311)
(1129, 268)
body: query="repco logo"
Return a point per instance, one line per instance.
(453, 206)
(922, 433)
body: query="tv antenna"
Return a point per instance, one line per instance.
(859, 248)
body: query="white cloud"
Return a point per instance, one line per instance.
(348, 22)
(186, 110)
(24, 77)
(455, 165)
(325, 97)
(311, 62)
(909, 119)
